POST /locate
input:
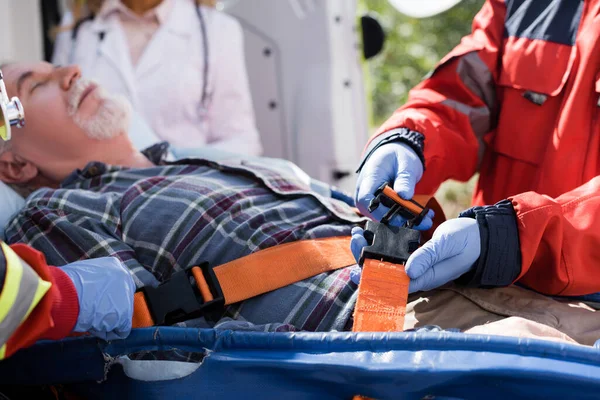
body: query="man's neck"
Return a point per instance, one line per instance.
(119, 151)
(134, 159)
(140, 7)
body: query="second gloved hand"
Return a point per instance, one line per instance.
(450, 253)
(105, 290)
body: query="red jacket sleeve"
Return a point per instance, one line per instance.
(455, 107)
(53, 316)
(560, 240)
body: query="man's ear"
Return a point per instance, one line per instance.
(14, 169)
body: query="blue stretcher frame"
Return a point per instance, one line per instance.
(332, 365)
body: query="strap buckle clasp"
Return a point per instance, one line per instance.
(412, 211)
(392, 243)
(180, 299)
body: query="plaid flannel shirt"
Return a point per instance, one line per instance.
(161, 219)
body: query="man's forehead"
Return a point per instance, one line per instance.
(12, 71)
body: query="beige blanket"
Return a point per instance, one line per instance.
(509, 311)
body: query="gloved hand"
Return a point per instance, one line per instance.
(105, 290)
(451, 252)
(393, 162)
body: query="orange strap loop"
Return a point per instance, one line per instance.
(382, 295)
(264, 271)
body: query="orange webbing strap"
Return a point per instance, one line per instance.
(382, 296)
(141, 313)
(282, 265)
(383, 288)
(265, 270)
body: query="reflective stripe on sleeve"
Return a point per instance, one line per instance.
(22, 291)
(477, 77)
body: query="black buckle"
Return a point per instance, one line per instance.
(179, 299)
(389, 243)
(412, 219)
(394, 244)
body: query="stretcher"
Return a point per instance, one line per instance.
(335, 365)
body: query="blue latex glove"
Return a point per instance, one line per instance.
(398, 165)
(357, 242)
(105, 290)
(451, 252)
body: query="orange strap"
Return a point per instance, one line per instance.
(383, 288)
(264, 271)
(382, 295)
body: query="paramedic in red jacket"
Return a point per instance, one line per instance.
(38, 301)
(517, 101)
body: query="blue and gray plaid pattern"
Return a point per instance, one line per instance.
(161, 219)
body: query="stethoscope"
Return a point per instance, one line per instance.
(205, 97)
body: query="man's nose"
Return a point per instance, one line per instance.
(68, 76)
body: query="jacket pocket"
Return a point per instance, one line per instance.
(531, 82)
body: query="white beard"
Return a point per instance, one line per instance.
(110, 120)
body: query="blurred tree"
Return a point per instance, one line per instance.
(412, 48)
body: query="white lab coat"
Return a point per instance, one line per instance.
(166, 85)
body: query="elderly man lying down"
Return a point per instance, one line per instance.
(94, 195)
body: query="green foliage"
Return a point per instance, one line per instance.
(412, 48)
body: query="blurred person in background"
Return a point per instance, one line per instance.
(179, 62)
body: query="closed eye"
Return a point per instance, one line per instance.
(36, 85)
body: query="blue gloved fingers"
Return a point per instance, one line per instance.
(357, 229)
(116, 325)
(388, 163)
(367, 185)
(450, 238)
(451, 252)
(397, 165)
(408, 171)
(439, 274)
(105, 290)
(405, 183)
(369, 180)
(426, 223)
(422, 259)
(357, 242)
(111, 335)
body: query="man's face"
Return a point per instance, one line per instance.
(69, 121)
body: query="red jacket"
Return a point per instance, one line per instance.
(518, 101)
(36, 301)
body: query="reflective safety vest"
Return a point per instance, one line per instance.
(36, 301)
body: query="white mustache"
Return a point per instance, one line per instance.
(110, 119)
(76, 92)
